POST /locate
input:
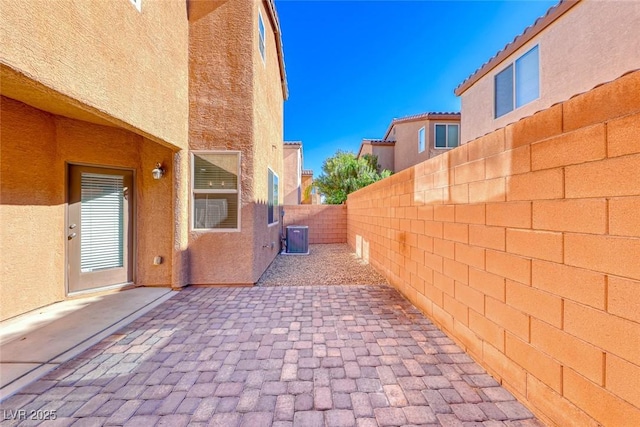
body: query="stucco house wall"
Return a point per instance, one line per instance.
(268, 120)
(36, 148)
(385, 154)
(85, 83)
(154, 85)
(101, 61)
(292, 180)
(235, 104)
(308, 195)
(406, 141)
(383, 150)
(591, 43)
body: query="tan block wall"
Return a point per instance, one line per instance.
(235, 104)
(327, 223)
(593, 43)
(103, 57)
(36, 147)
(524, 246)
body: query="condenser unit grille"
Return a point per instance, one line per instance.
(297, 239)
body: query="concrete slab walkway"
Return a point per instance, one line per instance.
(38, 342)
(281, 356)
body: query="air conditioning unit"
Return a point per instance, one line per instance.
(298, 239)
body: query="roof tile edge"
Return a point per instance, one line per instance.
(530, 32)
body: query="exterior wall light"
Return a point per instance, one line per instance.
(158, 171)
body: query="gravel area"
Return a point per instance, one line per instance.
(329, 264)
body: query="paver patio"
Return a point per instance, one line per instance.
(281, 356)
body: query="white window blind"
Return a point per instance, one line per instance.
(216, 190)
(421, 143)
(101, 219)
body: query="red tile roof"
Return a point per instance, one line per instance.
(422, 116)
(531, 31)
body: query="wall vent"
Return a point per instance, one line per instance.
(298, 239)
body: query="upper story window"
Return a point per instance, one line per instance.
(215, 182)
(518, 84)
(262, 45)
(421, 142)
(137, 4)
(272, 203)
(447, 135)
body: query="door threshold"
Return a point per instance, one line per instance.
(103, 290)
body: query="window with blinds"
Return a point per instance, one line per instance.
(216, 190)
(272, 203)
(518, 84)
(102, 222)
(421, 141)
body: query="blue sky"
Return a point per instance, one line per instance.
(352, 66)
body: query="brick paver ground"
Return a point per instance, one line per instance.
(280, 356)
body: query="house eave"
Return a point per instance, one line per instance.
(273, 15)
(530, 32)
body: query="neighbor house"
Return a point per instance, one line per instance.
(297, 182)
(309, 194)
(292, 183)
(383, 150)
(551, 61)
(413, 139)
(141, 146)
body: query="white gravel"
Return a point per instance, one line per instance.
(329, 264)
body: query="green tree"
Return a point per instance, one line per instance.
(344, 173)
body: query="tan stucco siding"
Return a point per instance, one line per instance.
(593, 43)
(306, 196)
(385, 154)
(291, 181)
(235, 104)
(406, 147)
(126, 67)
(268, 153)
(36, 149)
(220, 118)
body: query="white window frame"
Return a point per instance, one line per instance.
(137, 4)
(276, 202)
(514, 83)
(262, 38)
(446, 135)
(199, 191)
(422, 142)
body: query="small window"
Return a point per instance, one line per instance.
(215, 182)
(272, 204)
(447, 135)
(137, 4)
(421, 143)
(518, 84)
(262, 45)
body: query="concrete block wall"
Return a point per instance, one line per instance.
(327, 223)
(524, 246)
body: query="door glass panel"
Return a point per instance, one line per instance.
(102, 222)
